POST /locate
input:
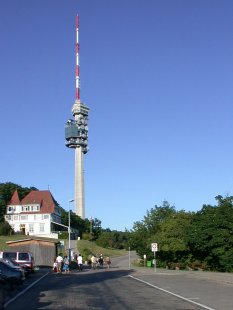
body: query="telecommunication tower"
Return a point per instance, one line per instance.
(76, 135)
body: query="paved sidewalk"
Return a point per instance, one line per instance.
(123, 263)
(223, 277)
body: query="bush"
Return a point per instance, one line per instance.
(64, 235)
(87, 236)
(6, 229)
(73, 265)
(86, 253)
(177, 266)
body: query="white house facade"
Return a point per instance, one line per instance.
(34, 214)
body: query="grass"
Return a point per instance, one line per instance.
(81, 244)
(4, 239)
(95, 249)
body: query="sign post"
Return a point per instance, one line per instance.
(154, 248)
(144, 259)
(129, 259)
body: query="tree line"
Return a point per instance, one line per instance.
(197, 240)
(84, 228)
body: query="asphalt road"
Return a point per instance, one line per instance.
(124, 287)
(100, 289)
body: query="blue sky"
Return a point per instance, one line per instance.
(158, 78)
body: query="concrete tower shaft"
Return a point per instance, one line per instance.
(76, 135)
(79, 194)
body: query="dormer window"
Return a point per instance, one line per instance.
(35, 208)
(31, 208)
(11, 208)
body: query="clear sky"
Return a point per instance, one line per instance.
(158, 78)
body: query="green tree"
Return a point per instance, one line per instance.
(75, 222)
(96, 228)
(146, 231)
(172, 238)
(6, 229)
(211, 235)
(113, 239)
(6, 191)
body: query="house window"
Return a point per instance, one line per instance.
(8, 217)
(42, 227)
(35, 208)
(10, 209)
(25, 208)
(46, 216)
(23, 217)
(31, 228)
(16, 218)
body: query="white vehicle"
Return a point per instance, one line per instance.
(22, 258)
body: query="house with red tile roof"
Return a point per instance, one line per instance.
(35, 214)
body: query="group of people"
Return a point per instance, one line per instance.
(63, 264)
(95, 261)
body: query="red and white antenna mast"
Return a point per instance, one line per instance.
(77, 61)
(76, 135)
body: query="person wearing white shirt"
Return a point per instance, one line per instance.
(80, 262)
(59, 261)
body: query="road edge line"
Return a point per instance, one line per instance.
(24, 291)
(168, 292)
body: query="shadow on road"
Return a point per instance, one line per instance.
(71, 283)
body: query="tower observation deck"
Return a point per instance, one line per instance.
(76, 135)
(76, 131)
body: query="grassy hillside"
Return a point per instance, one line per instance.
(4, 239)
(84, 245)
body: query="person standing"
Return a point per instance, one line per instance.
(80, 262)
(101, 261)
(66, 266)
(108, 261)
(59, 261)
(93, 262)
(55, 265)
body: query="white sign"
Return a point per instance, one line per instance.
(154, 247)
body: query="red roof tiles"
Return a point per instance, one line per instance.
(42, 198)
(15, 199)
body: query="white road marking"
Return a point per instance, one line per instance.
(25, 290)
(176, 295)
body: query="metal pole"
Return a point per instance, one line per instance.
(155, 261)
(69, 230)
(129, 258)
(91, 235)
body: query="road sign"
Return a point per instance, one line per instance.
(154, 247)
